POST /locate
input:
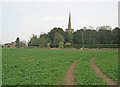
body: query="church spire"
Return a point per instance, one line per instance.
(69, 23)
(69, 29)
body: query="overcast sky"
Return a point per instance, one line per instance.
(22, 19)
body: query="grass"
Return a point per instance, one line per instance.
(84, 71)
(48, 66)
(107, 61)
(36, 66)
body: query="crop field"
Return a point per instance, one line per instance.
(22, 66)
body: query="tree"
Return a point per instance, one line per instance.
(17, 42)
(23, 44)
(116, 36)
(61, 44)
(90, 36)
(51, 34)
(105, 27)
(77, 36)
(43, 40)
(104, 36)
(87, 36)
(33, 41)
(66, 37)
(57, 38)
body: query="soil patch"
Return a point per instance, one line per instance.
(30, 60)
(101, 74)
(70, 75)
(23, 57)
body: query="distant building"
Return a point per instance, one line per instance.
(69, 30)
(9, 45)
(13, 44)
(6, 45)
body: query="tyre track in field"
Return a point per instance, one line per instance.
(70, 75)
(101, 74)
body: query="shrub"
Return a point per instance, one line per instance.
(48, 45)
(92, 46)
(61, 45)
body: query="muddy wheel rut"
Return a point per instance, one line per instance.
(101, 74)
(70, 75)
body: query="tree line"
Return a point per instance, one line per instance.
(57, 37)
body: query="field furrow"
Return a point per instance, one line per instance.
(101, 74)
(49, 66)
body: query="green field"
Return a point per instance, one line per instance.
(49, 66)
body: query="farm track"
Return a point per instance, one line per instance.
(101, 74)
(70, 76)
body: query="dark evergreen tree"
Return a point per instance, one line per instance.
(17, 42)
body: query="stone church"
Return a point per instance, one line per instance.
(69, 30)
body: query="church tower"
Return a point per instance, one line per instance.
(69, 30)
(69, 23)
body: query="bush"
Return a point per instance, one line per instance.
(93, 46)
(61, 45)
(48, 45)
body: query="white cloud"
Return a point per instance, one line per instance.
(52, 18)
(30, 25)
(30, 22)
